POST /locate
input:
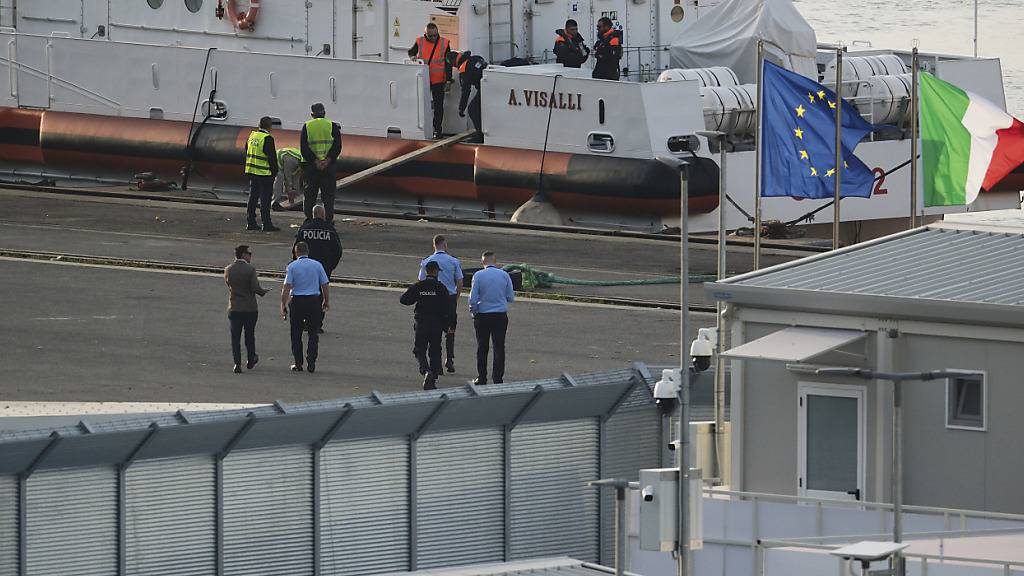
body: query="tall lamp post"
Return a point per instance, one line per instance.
(896, 480)
(720, 138)
(684, 559)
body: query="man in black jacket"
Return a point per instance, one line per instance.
(323, 240)
(607, 50)
(570, 50)
(431, 300)
(471, 71)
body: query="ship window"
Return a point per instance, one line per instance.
(965, 402)
(154, 4)
(193, 5)
(600, 111)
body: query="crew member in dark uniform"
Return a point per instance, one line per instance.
(570, 50)
(432, 302)
(607, 50)
(471, 71)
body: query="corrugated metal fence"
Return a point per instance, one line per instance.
(379, 484)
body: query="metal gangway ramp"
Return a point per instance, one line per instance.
(389, 164)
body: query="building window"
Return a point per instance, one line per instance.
(154, 4)
(193, 5)
(965, 402)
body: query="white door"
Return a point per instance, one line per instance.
(831, 441)
(33, 85)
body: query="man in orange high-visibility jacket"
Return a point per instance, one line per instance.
(433, 50)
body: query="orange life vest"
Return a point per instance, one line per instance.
(433, 54)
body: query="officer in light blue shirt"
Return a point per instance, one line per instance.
(488, 303)
(450, 275)
(306, 295)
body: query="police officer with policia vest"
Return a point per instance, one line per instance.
(570, 50)
(471, 71)
(306, 296)
(607, 50)
(433, 50)
(320, 144)
(323, 240)
(261, 167)
(449, 274)
(432, 306)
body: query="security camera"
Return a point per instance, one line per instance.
(666, 390)
(702, 348)
(647, 493)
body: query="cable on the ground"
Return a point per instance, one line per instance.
(533, 278)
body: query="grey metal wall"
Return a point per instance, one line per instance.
(170, 518)
(8, 526)
(72, 522)
(365, 506)
(268, 512)
(460, 503)
(631, 442)
(488, 484)
(554, 512)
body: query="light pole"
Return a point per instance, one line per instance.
(720, 137)
(684, 560)
(896, 480)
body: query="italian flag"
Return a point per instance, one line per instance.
(967, 143)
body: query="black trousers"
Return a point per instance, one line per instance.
(449, 330)
(474, 112)
(261, 190)
(307, 315)
(427, 345)
(490, 327)
(322, 182)
(437, 102)
(243, 321)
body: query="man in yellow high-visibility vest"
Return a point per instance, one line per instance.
(261, 167)
(288, 185)
(320, 144)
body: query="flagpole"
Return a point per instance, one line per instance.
(913, 137)
(839, 147)
(757, 155)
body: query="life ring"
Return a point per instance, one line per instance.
(243, 20)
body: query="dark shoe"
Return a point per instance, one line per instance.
(499, 381)
(321, 330)
(271, 228)
(478, 381)
(296, 367)
(238, 368)
(450, 366)
(252, 362)
(430, 381)
(276, 207)
(438, 136)
(252, 227)
(311, 367)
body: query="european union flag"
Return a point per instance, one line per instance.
(798, 145)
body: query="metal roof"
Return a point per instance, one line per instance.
(947, 272)
(561, 566)
(126, 439)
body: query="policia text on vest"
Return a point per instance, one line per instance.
(320, 144)
(261, 167)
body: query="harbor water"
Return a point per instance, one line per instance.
(941, 26)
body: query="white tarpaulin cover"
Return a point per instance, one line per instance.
(727, 35)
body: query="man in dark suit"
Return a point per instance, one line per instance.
(243, 311)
